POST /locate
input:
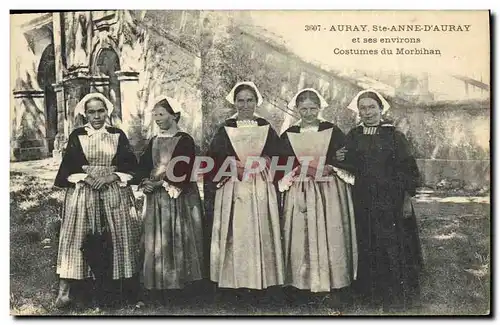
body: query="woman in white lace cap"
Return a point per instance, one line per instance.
(318, 217)
(172, 215)
(96, 166)
(246, 248)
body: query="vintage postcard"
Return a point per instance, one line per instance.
(182, 162)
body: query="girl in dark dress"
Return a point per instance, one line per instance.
(172, 215)
(386, 177)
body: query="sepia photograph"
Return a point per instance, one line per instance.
(250, 163)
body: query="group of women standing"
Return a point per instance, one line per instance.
(343, 220)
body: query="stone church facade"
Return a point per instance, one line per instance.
(129, 56)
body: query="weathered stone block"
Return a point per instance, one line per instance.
(24, 154)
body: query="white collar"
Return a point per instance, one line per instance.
(235, 116)
(91, 131)
(381, 123)
(320, 119)
(166, 134)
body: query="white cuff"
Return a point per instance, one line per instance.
(287, 181)
(172, 191)
(78, 177)
(344, 175)
(124, 178)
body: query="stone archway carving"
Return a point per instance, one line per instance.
(46, 77)
(104, 65)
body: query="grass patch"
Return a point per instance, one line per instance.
(456, 248)
(455, 241)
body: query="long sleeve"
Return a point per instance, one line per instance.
(125, 159)
(406, 168)
(184, 148)
(145, 164)
(336, 142)
(72, 162)
(218, 152)
(350, 161)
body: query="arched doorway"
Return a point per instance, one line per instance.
(107, 63)
(46, 79)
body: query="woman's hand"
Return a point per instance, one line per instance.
(340, 154)
(89, 180)
(328, 170)
(101, 182)
(149, 185)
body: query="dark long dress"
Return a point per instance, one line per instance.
(173, 252)
(388, 242)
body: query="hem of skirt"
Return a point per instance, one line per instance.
(308, 288)
(173, 287)
(73, 277)
(247, 287)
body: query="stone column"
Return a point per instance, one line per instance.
(29, 131)
(76, 85)
(57, 35)
(62, 123)
(131, 116)
(62, 131)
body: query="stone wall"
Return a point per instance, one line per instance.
(29, 120)
(450, 131)
(459, 174)
(171, 70)
(28, 129)
(454, 132)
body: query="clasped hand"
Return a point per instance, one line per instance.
(100, 182)
(149, 186)
(340, 154)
